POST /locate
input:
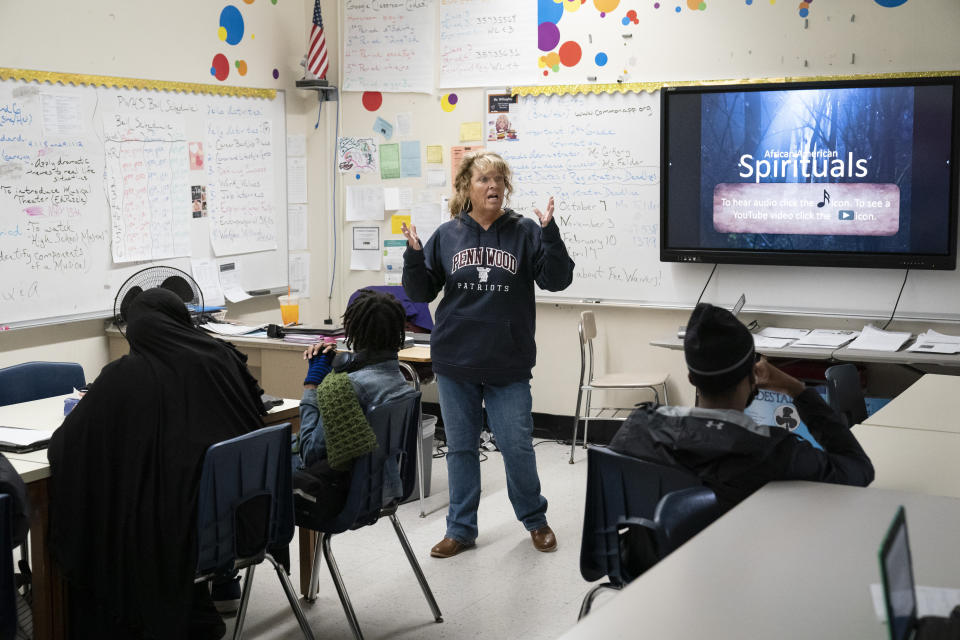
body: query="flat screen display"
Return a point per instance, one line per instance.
(854, 173)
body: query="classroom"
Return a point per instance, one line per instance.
(411, 87)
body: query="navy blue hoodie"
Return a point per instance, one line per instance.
(487, 318)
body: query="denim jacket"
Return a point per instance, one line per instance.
(374, 385)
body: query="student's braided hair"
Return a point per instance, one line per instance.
(374, 320)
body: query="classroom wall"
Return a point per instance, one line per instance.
(728, 40)
(179, 40)
(175, 42)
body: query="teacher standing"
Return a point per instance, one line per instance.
(486, 260)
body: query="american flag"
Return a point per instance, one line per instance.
(317, 62)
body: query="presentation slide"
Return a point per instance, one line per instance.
(834, 169)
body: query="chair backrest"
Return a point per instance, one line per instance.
(245, 500)
(36, 380)
(844, 393)
(8, 603)
(397, 428)
(417, 313)
(682, 514)
(620, 487)
(588, 331)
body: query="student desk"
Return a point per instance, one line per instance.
(914, 441)
(49, 620)
(842, 354)
(278, 366)
(794, 560)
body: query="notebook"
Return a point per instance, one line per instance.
(899, 591)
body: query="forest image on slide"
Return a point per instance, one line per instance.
(828, 136)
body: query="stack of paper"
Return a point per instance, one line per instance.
(826, 338)
(776, 337)
(15, 439)
(302, 338)
(873, 339)
(228, 329)
(934, 342)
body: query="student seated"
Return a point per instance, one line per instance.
(12, 485)
(716, 441)
(333, 430)
(125, 467)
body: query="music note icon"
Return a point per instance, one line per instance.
(826, 199)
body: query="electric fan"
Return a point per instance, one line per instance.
(170, 278)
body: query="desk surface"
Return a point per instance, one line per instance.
(795, 560)
(931, 403)
(47, 413)
(418, 353)
(843, 354)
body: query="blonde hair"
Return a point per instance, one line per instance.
(482, 161)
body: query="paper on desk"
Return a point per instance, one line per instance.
(17, 437)
(781, 332)
(227, 329)
(764, 342)
(873, 339)
(826, 338)
(934, 342)
(931, 601)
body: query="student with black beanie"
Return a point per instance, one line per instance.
(718, 442)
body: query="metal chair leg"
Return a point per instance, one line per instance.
(586, 419)
(588, 599)
(244, 599)
(341, 588)
(292, 598)
(576, 424)
(315, 571)
(412, 559)
(666, 400)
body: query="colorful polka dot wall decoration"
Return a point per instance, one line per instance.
(231, 25)
(605, 6)
(548, 36)
(276, 73)
(220, 68)
(241, 66)
(449, 102)
(549, 10)
(248, 1)
(890, 3)
(600, 59)
(372, 100)
(571, 5)
(570, 53)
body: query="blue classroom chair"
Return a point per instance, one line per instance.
(620, 488)
(396, 426)
(35, 380)
(8, 603)
(244, 507)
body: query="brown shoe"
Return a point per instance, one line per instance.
(543, 539)
(448, 547)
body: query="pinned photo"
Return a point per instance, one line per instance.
(198, 195)
(196, 156)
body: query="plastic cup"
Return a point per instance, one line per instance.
(290, 309)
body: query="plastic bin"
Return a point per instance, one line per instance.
(428, 426)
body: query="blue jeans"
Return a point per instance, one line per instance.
(508, 408)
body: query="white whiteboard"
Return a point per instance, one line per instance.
(598, 155)
(62, 149)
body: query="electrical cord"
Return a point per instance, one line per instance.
(333, 212)
(709, 278)
(897, 303)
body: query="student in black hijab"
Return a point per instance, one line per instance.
(125, 467)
